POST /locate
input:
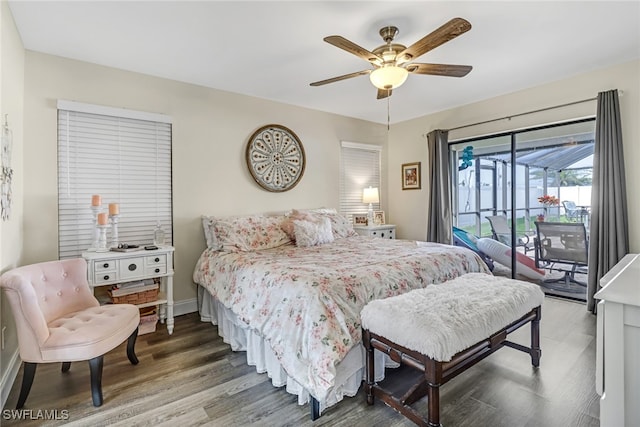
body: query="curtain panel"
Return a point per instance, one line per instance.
(609, 230)
(439, 227)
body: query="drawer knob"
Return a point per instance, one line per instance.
(132, 267)
(157, 259)
(105, 265)
(106, 277)
(157, 270)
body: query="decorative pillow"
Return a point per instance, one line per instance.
(312, 233)
(287, 224)
(208, 223)
(249, 233)
(340, 225)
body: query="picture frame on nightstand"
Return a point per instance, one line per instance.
(378, 217)
(360, 219)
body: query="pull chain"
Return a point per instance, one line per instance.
(388, 112)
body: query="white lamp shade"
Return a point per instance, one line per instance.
(370, 195)
(389, 77)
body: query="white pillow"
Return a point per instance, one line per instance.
(312, 233)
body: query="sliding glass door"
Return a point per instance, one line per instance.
(518, 178)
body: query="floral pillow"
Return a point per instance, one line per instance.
(247, 233)
(312, 233)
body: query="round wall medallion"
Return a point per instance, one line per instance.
(275, 158)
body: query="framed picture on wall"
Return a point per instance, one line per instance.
(360, 219)
(411, 176)
(378, 217)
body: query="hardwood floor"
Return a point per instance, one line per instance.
(192, 378)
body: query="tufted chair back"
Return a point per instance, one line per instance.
(41, 293)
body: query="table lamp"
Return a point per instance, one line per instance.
(370, 195)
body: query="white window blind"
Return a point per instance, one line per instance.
(359, 168)
(125, 157)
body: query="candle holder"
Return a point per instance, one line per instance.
(96, 231)
(114, 230)
(102, 240)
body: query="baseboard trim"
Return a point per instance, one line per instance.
(185, 307)
(9, 377)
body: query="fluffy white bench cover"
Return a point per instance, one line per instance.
(442, 320)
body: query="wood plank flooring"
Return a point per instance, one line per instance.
(192, 378)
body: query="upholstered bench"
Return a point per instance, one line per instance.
(443, 329)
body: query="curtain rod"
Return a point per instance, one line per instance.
(524, 114)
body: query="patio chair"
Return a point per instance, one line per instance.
(563, 243)
(501, 232)
(467, 240)
(574, 213)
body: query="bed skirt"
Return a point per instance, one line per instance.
(350, 372)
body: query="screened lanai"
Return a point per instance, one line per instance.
(512, 176)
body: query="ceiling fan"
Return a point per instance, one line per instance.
(392, 61)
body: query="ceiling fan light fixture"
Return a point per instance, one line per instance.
(389, 77)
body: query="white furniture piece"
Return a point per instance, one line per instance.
(618, 344)
(386, 231)
(110, 268)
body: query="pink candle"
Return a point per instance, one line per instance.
(114, 209)
(103, 218)
(96, 200)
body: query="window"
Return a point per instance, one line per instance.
(359, 169)
(125, 157)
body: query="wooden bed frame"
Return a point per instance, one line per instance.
(436, 373)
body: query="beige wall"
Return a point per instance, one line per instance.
(408, 209)
(210, 130)
(11, 231)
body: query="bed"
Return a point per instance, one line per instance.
(293, 304)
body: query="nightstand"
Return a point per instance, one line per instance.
(386, 231)
(110, 268)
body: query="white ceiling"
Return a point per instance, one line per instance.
(273, 50)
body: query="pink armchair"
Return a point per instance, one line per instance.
(59, 320)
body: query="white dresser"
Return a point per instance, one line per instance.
(618, 344)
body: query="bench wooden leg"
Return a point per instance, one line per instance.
(433, 376)
(370, 367)
(536, 351)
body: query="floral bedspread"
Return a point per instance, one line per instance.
(306, 302)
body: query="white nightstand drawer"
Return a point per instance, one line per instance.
(106, 265)
(131, 268)
(160, 259)
(105, 277)
(155, 269)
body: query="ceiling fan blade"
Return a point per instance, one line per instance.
(383, 93)
(343, 77)
(446, 32)
(351, 47)
(440, 69)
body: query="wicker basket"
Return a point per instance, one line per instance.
(148, 324)
(137, 298)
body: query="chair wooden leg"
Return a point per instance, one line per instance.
(131, 344)
(27, 380)
(95, 366)
(66, 366)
